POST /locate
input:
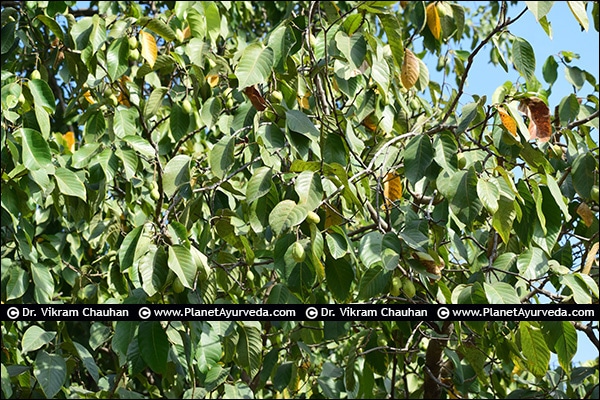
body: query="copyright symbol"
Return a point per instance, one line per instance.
(144, 313)
(443, 313)
(312, 313)
(12, 313)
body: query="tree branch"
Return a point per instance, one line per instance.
(584, 120)
(587, 329)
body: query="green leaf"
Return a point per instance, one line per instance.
(158, 27)
(249, 349)
(523, 57)
(281, 41)
(124, 333)
(36, 153)
(373, 282)
(340, 275)
(127, 249)
(568, 109)
(154, 101)
(336, 243)
(354, 48)
(140, 145)
(179, 122)
(213, 20)
(579, 290)
(42, 95)
(221, 156)
(254, 65)
(260, 184)
(575, 76)
(176, 174)
(4, 375)
(468, 114)
(124, 121)
(50, 370)
(154, 345)
(35, 337)
(501, 293)
(370, 248)
(561, 338)
(69, 183)
(209, 350)
(578, 10)
(488, 194)
(297, 121)
(446, 149)
(532, 263)
(418, 155)
(117, 58)
(52, 25)
(18, 282)
(98, 33)
(197, 23)
(309, 189)
(44, 283)
(558, 197)
(503, 219)
(215, 377)
(550, 70)
(285, 215)
(183, 265)
(539, 8)
(582, 174)
(88, 361)
(393, 31)
(534, 348)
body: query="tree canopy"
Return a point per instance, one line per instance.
(162, 152)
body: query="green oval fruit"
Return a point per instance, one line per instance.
(134, 54)
(36, 74)
(187, 106)
(313, 217)
(108, 91)
(155, 194)
(276, 96)
(396, 285)
(178, 286)
(408, 287)
(133, 42)
(112, 100)
(298, 252)
(594, 193)
(250, 275)
(462, 161)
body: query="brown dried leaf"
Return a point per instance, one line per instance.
(370, 123)
(149, 49)
(303, 101)
(392, 189)
(409, 74)
(586, 214)
(590, 258)
(258, 101)
(433, 21)
(509, 122)
(539, 118)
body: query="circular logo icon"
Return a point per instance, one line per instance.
(13, 313)
(144, 313)
(312, 313)
(443, 313)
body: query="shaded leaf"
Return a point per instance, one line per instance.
(153, 345)
(50, 370)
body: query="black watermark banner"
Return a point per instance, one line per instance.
(296, 312)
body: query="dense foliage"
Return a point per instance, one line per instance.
(287, 152)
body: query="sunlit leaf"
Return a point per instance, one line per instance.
(149, 49)
(433, 20)
(409, 73)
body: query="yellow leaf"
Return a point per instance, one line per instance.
(213, 80)
(433, 21)
(149, 49)
(590, 258)
(303, 101)
(509, 122)
(88, 96)
(70, 140)
(332, 216)
(187, 33)
(392, 189)
(586, 214)
(409, 74)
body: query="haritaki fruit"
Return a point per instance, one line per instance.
(298, 252)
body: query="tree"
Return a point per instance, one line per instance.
(273, 152)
